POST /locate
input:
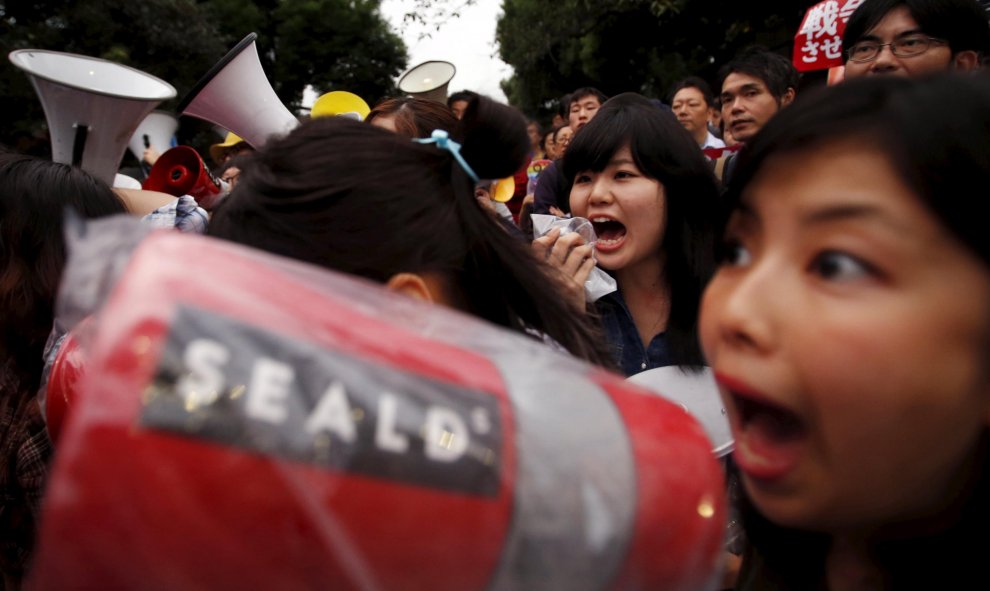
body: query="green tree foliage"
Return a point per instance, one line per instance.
(331, 44)
(336, 45)
(631, 45)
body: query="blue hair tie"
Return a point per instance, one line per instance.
(443, 141)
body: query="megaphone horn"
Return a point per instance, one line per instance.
(155, 131)
(92, 106)
(236, 95)
(428, 80)
(181, 171)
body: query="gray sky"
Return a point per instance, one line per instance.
(467, 41)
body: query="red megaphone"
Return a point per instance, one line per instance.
(181, 171)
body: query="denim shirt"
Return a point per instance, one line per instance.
(623, 338)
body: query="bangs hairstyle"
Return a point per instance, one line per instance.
(662, 150)
(934, 131)
(960, 22)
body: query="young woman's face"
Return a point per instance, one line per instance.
(627, 209)
(850, 334)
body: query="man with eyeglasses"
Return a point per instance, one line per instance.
(915, 37)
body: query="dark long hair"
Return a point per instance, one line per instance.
(361, 200)
(665, 151)
(935, 132)
(34, 195)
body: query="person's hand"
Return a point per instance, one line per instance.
(571, 257)
(150, 156)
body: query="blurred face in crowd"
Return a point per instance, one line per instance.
(747, 104)
(230, 175)
(582, 111)
(853, 373)
(715, 116)
(458, 107)
(534, 134)
(563, 139)
(548, 146)
(692, 112)
(919, 53)
(237, 150)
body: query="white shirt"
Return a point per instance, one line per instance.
(712, 142)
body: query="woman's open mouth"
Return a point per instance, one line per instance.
(610, 233)
(769, 438)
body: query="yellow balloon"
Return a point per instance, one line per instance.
(340, 102)
(504, 189)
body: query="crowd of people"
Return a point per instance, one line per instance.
(821, 252)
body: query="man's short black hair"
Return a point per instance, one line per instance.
(963, 23)
(775, 70)
(583, 92)
(693, 82)
(462, 95)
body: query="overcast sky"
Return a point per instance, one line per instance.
(467, 41)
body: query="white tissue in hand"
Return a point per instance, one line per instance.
(599, 282)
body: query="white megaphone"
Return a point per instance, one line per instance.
(92, 105)
(157, 131)
(235, 94)
(428, 80)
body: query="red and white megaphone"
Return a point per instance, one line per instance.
(235, 94)
(92, 105)
(181, 171)
(307, 430)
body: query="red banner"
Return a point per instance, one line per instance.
(818, 43)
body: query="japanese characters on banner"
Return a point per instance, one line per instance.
(818, 43)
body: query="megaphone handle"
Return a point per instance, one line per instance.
(147, 140)
(79, 143)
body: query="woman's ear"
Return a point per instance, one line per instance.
(412, 285)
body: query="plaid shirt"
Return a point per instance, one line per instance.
(25, 450)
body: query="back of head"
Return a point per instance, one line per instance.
(362, 200)
(662, 149)
(775, 70)
(461, 95)
(34, 196)
(935, 132)
(415, 117)
(960, 22)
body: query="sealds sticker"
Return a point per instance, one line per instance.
(231, 383)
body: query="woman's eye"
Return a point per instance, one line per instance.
(624, 174)
(840, 266)
(582, 178)
(735, 254)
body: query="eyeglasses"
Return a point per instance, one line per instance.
(867, 51)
